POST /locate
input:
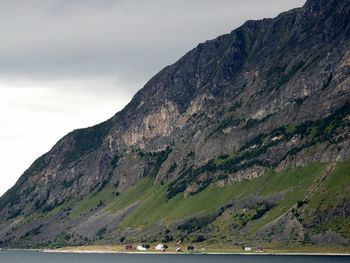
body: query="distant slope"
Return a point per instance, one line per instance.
(245, 139)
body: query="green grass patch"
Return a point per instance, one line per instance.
(336, 186)
(131, 155)
(222, 159)
(331, 195)
(134, 194)
(106, 195)
(294, 183)
(155, 206)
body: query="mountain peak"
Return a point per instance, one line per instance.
(317, 5)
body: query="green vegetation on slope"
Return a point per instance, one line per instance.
(313, 193)
(134, 194)
(94, 201)
(154, 205)
(295, 183)
(326, 208)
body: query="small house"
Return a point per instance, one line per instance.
(259, 249)
(129, 247)
(141, 248)
(178, 249)
(160, 247)
(247, 249)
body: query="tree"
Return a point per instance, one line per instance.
(190, 248)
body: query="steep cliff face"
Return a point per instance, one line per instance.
(272, 94)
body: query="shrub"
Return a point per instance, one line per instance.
(172, 168)
(199, 238)
(101, 232)
(167, 238)
(301, 203)
(190, 248)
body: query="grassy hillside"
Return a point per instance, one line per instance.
(294, 184)
(314, 195)
(155, 206)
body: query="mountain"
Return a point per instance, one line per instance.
(245, 139)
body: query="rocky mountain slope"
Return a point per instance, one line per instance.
(245, 139)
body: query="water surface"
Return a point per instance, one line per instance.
(41, 257)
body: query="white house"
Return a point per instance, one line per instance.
(141, 248)
(159, 247)
(247, 249)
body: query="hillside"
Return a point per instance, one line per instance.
(245, 139)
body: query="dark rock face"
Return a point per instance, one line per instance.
(271, 94)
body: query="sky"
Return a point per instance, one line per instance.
(68, 64)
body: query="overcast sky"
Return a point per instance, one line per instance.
(67, 64)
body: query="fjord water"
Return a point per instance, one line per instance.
(7, 256)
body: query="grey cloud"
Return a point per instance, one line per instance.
(125, 40)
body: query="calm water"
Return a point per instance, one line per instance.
(38, 257)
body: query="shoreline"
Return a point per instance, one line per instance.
(199, 253)
(105, 251)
